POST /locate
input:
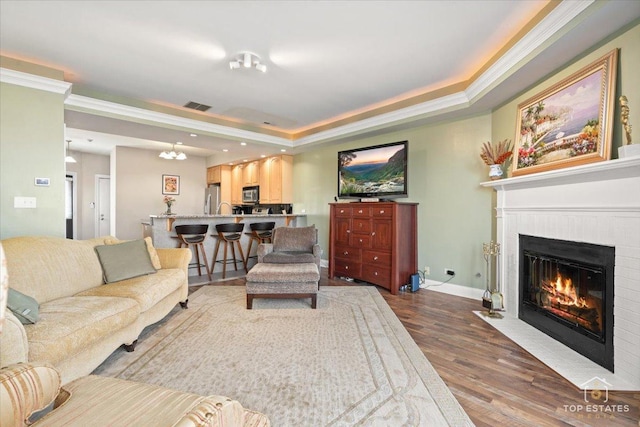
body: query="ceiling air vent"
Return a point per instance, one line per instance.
(197, 106)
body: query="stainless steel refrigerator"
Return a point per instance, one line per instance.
(211, 198)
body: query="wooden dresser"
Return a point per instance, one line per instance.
(374, 242)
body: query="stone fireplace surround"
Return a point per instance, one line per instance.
(595, 203)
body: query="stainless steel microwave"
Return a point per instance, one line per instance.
(250, 194)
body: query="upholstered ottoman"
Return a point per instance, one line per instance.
(266, 280)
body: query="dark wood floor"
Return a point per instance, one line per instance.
(495, 381)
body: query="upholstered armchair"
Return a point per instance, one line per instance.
(292, 245)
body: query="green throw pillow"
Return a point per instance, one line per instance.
(24, 307)
(124, 260)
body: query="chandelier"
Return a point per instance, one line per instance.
(247, 60)
(173, 155)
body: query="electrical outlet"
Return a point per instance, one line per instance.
(427, 270)
(449, 272)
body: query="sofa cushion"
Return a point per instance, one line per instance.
(70, 325)
(153, 254)
(24, 307)
(289, 257)
(48, 268)
(146, 290)
(124, 260)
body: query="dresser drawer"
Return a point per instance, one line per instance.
(343, 212)
(376, 275)
(347, 268)
(382, 212)
(347, 253)
(360, 240)
(377, 257)
(362, 212)
(360, 225)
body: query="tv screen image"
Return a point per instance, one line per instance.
(377, 171)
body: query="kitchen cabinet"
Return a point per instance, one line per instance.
(374, 242)
(251, 173)
(276, 179)
(214, 175)
(237, 182)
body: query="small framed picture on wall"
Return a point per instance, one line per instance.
(171, 184)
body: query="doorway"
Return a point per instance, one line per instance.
(103, 206)
(71, 205)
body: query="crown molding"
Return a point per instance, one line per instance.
(87, 104)
(540, 34)
(454, 101)
(34, 82)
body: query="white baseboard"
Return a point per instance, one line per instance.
(453, 289)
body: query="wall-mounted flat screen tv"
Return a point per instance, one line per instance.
(378, 171)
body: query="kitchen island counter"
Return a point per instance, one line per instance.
(161, 228)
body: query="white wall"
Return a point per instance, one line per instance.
(138, 188)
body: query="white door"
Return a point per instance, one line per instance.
(103, 205)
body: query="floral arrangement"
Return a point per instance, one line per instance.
(496, 154)
(168, 200)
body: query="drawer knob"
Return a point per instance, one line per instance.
(381, 211)
(375, 258)
(346, 253)
(360, 240)
(348, 231)
(375, 273)
(373, 234)
(341, 210)
(346, 267)
(360, 211)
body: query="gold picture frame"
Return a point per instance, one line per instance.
(570, 123)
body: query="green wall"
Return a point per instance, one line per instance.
(31, 145)
(445, 169)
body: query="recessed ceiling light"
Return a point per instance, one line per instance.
(193, 135)
(243, 143)
(230, 163)
(245, 160)
(178, 143)
(263, 155)
(283, 150)
(226, 150)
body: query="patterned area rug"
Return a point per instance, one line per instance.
(349, 362)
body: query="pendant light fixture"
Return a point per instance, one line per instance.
(68, 158)
(173, 155)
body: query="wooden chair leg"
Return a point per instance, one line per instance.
(233, 253)
(242, 256)
(246, 260)
(224, 261)
(195, 247)
(215, 257)
(206, 263)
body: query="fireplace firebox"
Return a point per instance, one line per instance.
(566, 291)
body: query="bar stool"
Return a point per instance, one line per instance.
(261, 232)
(192, 236)
(228, 234)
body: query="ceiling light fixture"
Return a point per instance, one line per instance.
(173, 155)
(247, 60)
(69, 158)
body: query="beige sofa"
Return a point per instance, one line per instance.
(82, 320)
(33, 394)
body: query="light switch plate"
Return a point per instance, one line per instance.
(24, 202)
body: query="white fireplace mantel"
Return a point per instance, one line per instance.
(595, 203)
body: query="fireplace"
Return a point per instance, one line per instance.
(566, 291)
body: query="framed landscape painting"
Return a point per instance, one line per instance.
(570, 123)
(171, 184)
